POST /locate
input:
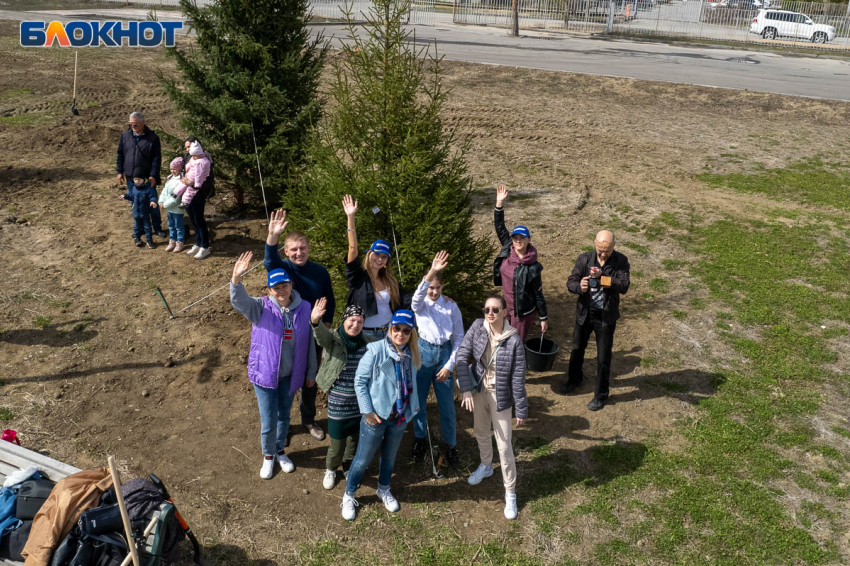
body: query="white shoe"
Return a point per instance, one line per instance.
(510, 506)
(267, 470)
(330, 479)
(193, 250)
(285, 463)
(348, 504)
(389, 501)
(479, 474)
(202, 253)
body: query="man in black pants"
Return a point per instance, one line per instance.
(599, 278)
(139, 156)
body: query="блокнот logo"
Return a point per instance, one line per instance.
(95, 34)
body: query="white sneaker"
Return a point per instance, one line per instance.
(479, 474)
(202, 253)
(267, 470)
(285, 463)
(389, 501)
(193, 250)
(330, 479)
(510, 506)
(348, 504)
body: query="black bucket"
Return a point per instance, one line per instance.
(540, 353)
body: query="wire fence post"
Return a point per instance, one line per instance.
(610, 27)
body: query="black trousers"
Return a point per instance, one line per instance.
(195, 210)
(307, 406)
(604, 344)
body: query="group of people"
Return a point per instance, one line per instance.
(379, 365)
(186, 189)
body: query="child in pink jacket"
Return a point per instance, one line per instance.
(197, 171)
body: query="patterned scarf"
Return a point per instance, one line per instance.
(404, 379)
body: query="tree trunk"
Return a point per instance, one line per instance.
(515, 18)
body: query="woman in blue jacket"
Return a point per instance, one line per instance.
(385, 384)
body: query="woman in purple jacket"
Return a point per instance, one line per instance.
(281, 359)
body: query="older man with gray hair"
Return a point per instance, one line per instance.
(599, 278)
(138, 161)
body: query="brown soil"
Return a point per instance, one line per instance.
(111, 374)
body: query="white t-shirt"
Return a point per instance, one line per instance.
(385, 313)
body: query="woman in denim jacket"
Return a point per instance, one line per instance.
(385, 384)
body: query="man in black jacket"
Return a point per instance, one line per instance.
(140, 156)
(599, 278)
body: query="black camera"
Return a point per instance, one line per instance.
(593, 283)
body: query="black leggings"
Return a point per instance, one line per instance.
(195, 210)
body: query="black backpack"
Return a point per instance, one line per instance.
(208, 187)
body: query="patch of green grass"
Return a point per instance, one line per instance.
(810, 181)
(698, 304)
(680, 315)
(671, 264)
(639, 248)
(30, 119)
(647, 296)
(841, 431)
(42, 321)
(648, 362)
(671, 386)
(15, 93)
(828, 452)
(6, 415)
(659, 285)
(669, 219)
(589, 248)
(58, 304)
(834, 332)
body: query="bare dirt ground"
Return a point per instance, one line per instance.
(104, 371)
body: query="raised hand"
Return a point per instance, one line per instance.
(501, 195)
(277, 224)
(349, 205)
(441, 260)
(318, 311)
(242, 265)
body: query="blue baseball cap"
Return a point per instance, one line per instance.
(278, 276)
(521, 231)
(380, 247)
(404, 316)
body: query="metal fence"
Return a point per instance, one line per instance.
(728, 20)
(421, 11)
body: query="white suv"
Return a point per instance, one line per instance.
(773, 24)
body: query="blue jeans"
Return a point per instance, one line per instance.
(434, 358)
(386, 435)
(379, 334)
(156, 218)
(142, 224)
(176, 227)
(274, 404)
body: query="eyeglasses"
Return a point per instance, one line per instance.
(406, 330)
(134, 124)
(488, 310)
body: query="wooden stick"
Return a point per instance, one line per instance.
(148, 530)
(75, 74)
(125, 517)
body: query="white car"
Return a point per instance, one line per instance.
(773, 24)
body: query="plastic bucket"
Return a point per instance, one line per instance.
(540, 353)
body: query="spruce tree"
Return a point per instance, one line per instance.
(383, 141)
(253, 63)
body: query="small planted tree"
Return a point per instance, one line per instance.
(253, 64)
(383, 142)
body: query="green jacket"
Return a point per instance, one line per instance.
(335, 355)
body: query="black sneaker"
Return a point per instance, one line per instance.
(151, 246)
(419, 447)
(138, 242)
(451, 456)
(595, 404)
(161, 233)
(567, 388)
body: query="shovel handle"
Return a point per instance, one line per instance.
(540, 348)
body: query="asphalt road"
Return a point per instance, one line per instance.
(742, 69)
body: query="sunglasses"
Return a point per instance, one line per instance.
(403, 329)
(494, 310)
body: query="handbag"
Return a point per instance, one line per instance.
(100, 520)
